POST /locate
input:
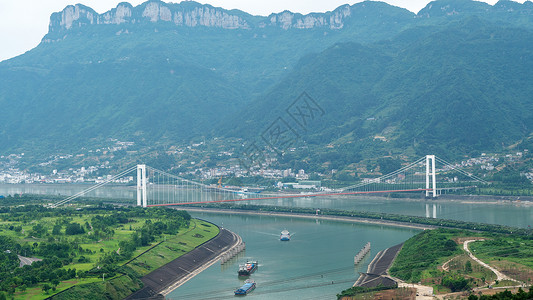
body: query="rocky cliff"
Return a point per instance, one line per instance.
(192, 14)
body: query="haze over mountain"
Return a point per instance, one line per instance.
(454, 77)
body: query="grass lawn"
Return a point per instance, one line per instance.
(508, 248)
(512, 255)
(36, 293)
(161, 251)
(174, 246)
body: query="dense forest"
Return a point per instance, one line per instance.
(385, 81)
(76, 243)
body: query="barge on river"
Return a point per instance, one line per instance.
(248, 268)
(249, 285)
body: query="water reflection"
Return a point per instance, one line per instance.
(434, 215)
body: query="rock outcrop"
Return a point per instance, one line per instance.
(192, 14)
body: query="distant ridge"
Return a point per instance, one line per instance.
(193, 14)
(162, 73)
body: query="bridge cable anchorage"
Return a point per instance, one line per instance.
(160, 188)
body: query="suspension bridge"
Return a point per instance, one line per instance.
(430, 175)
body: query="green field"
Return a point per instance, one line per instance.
(446, 266)
(174, 246)
(99, 250)
(511, 255)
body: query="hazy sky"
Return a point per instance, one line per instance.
(23, 23)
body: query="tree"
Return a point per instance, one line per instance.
(388, 165)
(55, 282)
(46, 287)
(468, 267)
(455, 282)
(56, 230)
(74, 228)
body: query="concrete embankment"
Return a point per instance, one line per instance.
(164, 280)
(376, 273)
(484, 199)
(312, 216)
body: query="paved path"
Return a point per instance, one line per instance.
(500, 276)
(26, 261)
(422, 292)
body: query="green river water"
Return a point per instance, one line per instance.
(318, 261)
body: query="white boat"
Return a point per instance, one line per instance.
(285, 235)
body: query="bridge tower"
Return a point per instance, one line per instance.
(430, 172)
(141, 186)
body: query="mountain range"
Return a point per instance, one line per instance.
(454, 78)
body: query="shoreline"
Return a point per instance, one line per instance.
(165, 279)
(202, 267)
(314, 217)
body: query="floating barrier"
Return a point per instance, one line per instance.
(364, 251)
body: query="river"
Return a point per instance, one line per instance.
(318, 261)
(506, 213)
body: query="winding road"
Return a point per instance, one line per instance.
(500, 276)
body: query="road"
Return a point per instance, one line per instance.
(500, 276)
(26, 261)
(422, 292)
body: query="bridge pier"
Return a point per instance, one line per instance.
(141, 186)
(430, 172)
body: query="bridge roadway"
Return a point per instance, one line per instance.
(285, 196)
(162, 281)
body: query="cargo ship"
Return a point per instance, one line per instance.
(285, 235)
(248, 268)
(249, 285)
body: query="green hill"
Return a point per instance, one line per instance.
(461, 88)
(452, 78)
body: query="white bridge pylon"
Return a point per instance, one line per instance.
(431, 185)
(141, 186)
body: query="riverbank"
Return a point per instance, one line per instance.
(313, 216)
(465, 199)
(376, 274)
(164, 280)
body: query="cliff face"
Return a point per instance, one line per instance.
(192, 14)
(80, 15)
(331, 20)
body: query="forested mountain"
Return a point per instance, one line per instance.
(454, 76)
(459, 89)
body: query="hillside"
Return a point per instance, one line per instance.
(163, 73)
(156, 72)
(453, 90)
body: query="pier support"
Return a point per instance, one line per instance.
(141, 186)
(431, 184)
(361, 254)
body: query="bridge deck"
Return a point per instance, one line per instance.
(290, 196)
